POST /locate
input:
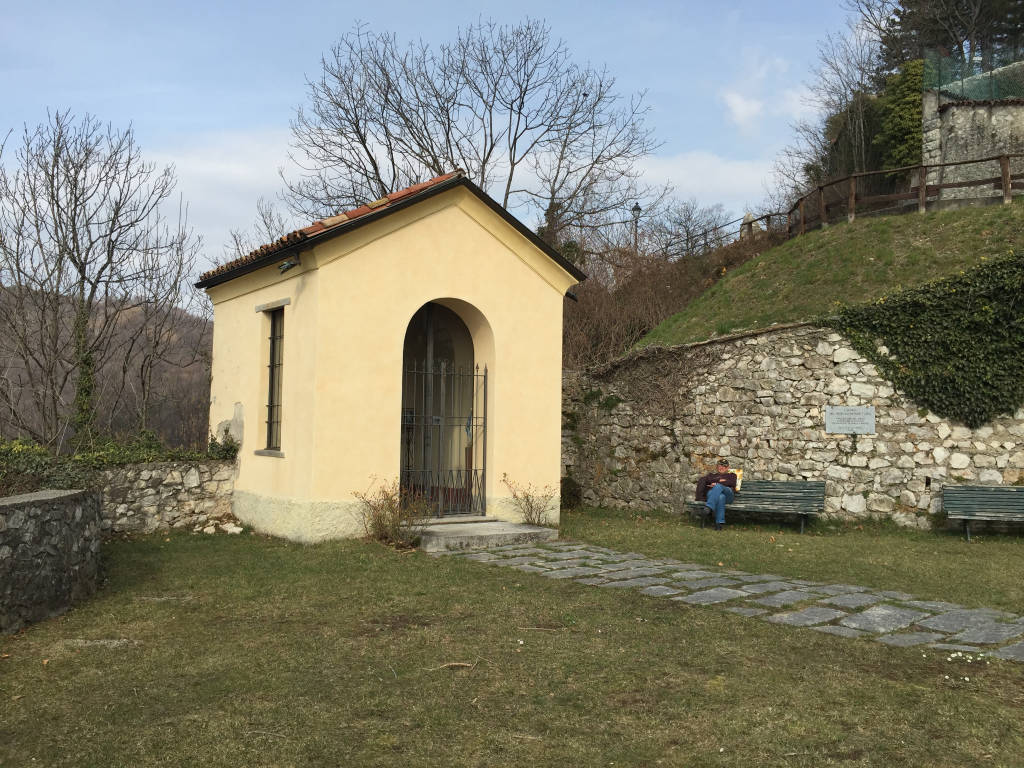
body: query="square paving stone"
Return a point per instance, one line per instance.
(958, 621)
(766, 586)
(853, 600)
(481, 557)
(955, 647)
(530, 569)
(627, 583)
(559, 564)
(572, 554)
(514, 561)
(1013, 652)
(688, 566)
(634, 573)
(931, 605)
(783, 599)
(883, 618)
(896, 595)
(814, 615)
(711, 596)
(529, 551)
(841, 589)
(832, 629)
(687, 575)
(755, 577)
(594, 581)
(626, 565)
(991, 633)
(572, 573)
(806, 583)
(744, 610)
(906, 639)
(659, 590)
(718, 581)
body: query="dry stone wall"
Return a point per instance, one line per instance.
(143, 498)
(967, 131)
(639, 432)
(49, 554)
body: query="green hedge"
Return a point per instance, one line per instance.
(27, 466)
(955, 346)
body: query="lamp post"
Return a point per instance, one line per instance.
(636, 211)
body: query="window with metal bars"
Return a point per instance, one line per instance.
(274, 368)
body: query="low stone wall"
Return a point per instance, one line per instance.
(965, 131)
(49, 554)
(639, 432)
(142, 498)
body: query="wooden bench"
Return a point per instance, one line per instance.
(990, 503)
(778, 497)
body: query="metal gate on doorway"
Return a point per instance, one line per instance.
(444, 437)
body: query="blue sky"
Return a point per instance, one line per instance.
(211, 86)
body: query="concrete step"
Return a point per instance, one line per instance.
(475, 535)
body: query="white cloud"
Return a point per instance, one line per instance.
(710, 178)
(754, 87)
(795, 104)
(743, 110)
(221, 176)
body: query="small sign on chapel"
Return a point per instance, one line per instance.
(850, 419)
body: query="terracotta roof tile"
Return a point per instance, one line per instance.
(324, 225)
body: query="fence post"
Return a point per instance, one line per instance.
(823, 214)
(803, 219)
(1004, 166)
(922, 189)
(851, 205)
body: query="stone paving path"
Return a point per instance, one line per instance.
(893, 618)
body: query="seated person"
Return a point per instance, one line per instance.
(716, 489)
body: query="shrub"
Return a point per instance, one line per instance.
(532, 503)
(26, 466)
(392, 516)
(571, 493)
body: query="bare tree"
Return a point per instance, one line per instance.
(88, 262)
(505, 103)
(270, 224)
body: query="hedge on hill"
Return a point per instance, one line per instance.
(955, 346)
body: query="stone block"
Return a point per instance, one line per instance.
(844, 354)
(883, 618)
(807, 617)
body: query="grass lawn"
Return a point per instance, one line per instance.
(850, 263)
(248, 651)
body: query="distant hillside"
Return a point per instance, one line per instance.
(847, 263)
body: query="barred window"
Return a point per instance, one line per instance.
(275, 369)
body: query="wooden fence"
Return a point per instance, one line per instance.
(858, 193)
(871, 193)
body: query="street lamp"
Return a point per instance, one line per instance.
(636, 211)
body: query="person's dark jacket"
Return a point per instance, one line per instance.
(725, 478)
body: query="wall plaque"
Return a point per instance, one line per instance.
(850, 419)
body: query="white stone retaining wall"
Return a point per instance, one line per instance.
(759, 400)
(965, 132)
(142, 498)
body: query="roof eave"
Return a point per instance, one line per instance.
(349, 226)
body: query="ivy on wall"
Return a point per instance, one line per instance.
(955, 346)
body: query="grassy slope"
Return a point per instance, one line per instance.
(848, 263)
(257, 652)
